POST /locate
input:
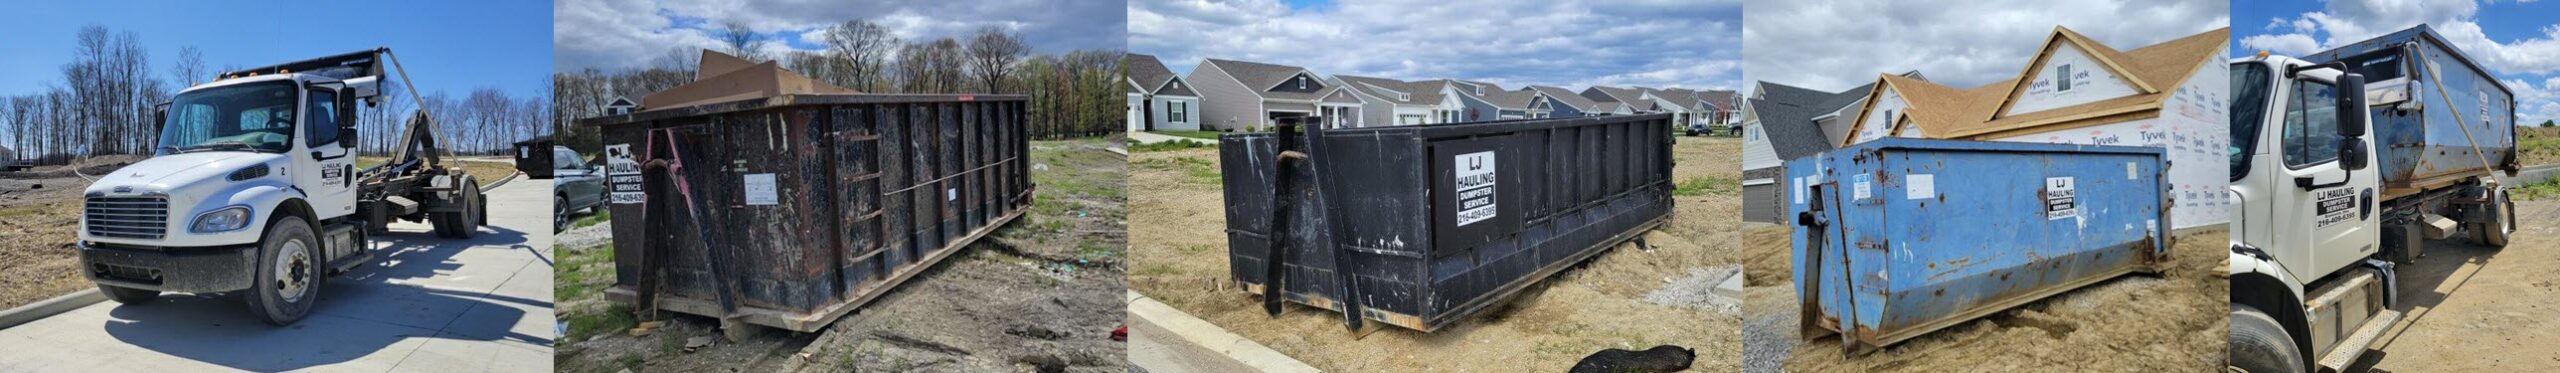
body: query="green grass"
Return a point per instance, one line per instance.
(1199, 170)
(2538, 145)
(2546, 189)
(1168, 146)
(1206, 135)
(1707, 185)
(601, 216)
(613, 320)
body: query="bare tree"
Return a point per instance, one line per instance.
(863, 49)
(190, 68)
(741, 41)
(992, 54)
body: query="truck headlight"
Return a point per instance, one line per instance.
(222, 220)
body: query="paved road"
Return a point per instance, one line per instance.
(426, 304)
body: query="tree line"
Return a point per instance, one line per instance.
(1074, 94)
(107, 100)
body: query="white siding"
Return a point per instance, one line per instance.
(2090, 81)
(1756, 153)
(2193, 126)
(1879, 121)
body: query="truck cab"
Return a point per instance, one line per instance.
(252, 188)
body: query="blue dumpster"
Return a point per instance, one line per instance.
(1900, 237)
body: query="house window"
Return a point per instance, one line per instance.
(2062, 78)
(1302, 82)
(1178, 111)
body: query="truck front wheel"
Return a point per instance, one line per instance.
(288, 272)
(2258, 344)
(128, 295)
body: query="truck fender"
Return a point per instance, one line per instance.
(2259, 282)
(264, 197)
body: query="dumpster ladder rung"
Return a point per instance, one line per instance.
(2355, 345)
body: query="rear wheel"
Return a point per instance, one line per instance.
(128, 295)
(461, 224)
(2259, 345)
(2502, 223)
(288, 272)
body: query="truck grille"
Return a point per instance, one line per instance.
(144, 217)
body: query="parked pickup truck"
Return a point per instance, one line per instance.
(2344, 163)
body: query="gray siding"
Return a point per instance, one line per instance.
(1224, 103)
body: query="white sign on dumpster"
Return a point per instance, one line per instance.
(622, 174)
(1475, 187)
(760, 190)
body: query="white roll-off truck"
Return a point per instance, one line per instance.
(252, 189)
(2331, 200)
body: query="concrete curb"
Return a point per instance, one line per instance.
(501, 182)
(1116, 150)
(49, 307)
(1187, 331)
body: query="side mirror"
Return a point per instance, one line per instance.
(2351, 111)
(347, 137)
(2351, 153)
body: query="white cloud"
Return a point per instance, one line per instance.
(1510, 43)
(2286, 44)
(2347, 21)
(612, 34)
(1834, 45)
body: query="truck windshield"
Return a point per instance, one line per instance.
(2249, 87)
(254, 117)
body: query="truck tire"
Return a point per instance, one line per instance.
(128, 295)
(2258, 344)
(461, 224)
(288, 272)
(2502, 223)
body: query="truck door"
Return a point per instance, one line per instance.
(324, 169)
(2323, 205)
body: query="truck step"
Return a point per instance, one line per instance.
(2355, 345)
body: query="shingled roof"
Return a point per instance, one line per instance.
(1147, 72)
(1786, 116)
(1567, 98)
(1262, 76)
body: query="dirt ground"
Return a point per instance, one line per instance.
(1178, 255)
(2467, 307)
(1043, 293)
(2174, 322)
(39, 220)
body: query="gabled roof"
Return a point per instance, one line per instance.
(1614, 94)
(2166, 66)
(1567, 98)
(1514, 100)
(1786, 116)
(1388, 88)
(1147, 72)
(1262, 76)
(1717, 99)
(1339, 95)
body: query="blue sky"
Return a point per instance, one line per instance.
(452, 46)
(2517, 40)
(618, 34)
(1572, 44)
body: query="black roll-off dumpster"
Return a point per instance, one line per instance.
(792, 210)
(1429, 224)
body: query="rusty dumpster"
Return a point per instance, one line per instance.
(791, 210)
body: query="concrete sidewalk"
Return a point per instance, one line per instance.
(425, 304)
